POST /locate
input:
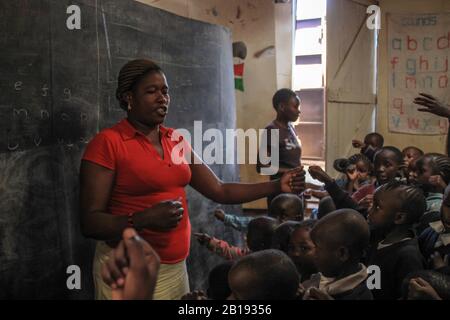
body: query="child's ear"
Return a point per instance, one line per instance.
(343, 254)
(400, 218)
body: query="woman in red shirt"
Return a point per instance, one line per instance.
(129, 179)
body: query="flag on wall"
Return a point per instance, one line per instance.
(238, 74)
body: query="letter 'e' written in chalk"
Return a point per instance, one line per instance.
(74, 20)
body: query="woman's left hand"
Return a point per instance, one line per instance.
(293, 181)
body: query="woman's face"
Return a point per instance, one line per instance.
(291, 109)
(150, 99)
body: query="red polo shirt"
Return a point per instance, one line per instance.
(143, 179)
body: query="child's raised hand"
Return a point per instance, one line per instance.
(437, 181)
(420, 289)
(357, 144)
(317, 173)
(437, 260)
(219, 214)
(195, 295)
(202, 238)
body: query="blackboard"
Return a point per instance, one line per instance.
(57, 91)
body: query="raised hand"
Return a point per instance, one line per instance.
(432, 105)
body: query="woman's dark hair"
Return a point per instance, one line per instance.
(130, 75)
(282, 96)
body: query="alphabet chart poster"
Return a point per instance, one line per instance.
(418, 52)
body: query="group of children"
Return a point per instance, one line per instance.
(382, 231)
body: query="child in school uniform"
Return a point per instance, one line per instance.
(259, 237)
(436, 238)
(301, 249)
(432, 175)
(340, 239)
(396, 208)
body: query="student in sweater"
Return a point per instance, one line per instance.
(340, 239)
(432, 176)
(302, 250)
(436, 238)
(259, 237)
(396, 208)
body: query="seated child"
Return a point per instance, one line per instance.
(410, 155)
(301, 249)
(426, 285)
(372, 143)
(264, 275)
(436, 238)
(282, 235)
(340, 239)
(259, 237)
(286, 206)
(396, 208)
(357, 172)
(218, 288)
(432, 175)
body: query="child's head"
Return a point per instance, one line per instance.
(260, 232)
(340, 239)
(429, 165)
(282, 235)
(374, 139)
(387, 164)
(264, 275)
(396, 204)
(411, 154)
(286, 206)
(440, 282)
(358, 162)
(301, 249)
(218, 288)
(326, 205)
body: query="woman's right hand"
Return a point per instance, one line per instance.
(164, 215)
